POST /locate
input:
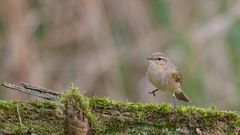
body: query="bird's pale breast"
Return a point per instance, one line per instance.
(158, 77)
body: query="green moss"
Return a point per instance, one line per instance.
(113, 117)
(37, 117)
(161, 118)
(81, 103)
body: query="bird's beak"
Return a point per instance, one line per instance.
(149, 58)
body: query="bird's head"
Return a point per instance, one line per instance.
(158, 58)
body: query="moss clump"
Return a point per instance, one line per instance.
(81, 103)
(129, 118)
(37, 117)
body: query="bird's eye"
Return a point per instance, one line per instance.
(159, 58)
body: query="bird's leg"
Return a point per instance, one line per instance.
(153, 92)
(174, 102)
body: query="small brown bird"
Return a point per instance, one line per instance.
(164, 75)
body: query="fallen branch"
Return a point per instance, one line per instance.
(78, 114)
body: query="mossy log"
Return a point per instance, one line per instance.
(104, 116)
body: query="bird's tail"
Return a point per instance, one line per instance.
(182, 96)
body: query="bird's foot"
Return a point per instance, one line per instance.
(153, 92)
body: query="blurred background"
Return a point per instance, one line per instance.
(101, 46)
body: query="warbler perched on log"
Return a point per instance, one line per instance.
(165, 76)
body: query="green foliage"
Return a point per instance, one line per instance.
(127, 80)
(2, 26)
(40, 30)
(160, 11)
(224, 5)
(233, 46)
(233, 39)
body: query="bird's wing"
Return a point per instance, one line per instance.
(174, 72)
(177, 76)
